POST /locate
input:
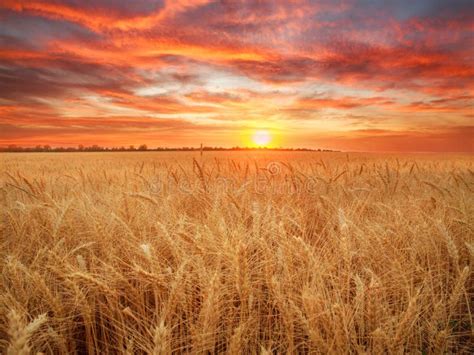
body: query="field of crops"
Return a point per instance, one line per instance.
(236, 252)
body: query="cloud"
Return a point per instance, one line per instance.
(96, 17)
(343, 103)
(396, 64)
(442, 139)
(451, 139)
(459, 104)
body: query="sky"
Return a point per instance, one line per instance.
(354, 75)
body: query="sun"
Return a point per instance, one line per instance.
(261, 138)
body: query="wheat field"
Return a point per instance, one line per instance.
(236, 252)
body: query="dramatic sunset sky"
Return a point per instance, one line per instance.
(350, 75)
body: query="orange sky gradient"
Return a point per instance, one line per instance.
(359, 75)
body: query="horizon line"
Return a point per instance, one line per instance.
(13, 148)
(144, 147)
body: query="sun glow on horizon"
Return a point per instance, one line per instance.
(261, 138)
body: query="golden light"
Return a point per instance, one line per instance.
(261, 138)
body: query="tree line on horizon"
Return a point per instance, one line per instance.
(13, 148)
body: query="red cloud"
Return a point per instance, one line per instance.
(454, 139)
(249, 61)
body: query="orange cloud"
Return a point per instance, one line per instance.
(343, 103)
(456, 139)
(100, 19)
(405, 71)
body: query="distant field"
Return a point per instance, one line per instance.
(236, 252)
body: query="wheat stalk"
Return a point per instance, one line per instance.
(20, 333)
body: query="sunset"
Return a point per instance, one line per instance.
(236, 177)
(348, 75)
